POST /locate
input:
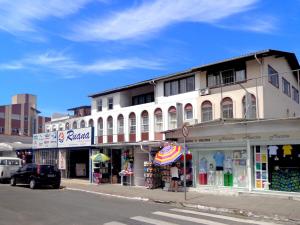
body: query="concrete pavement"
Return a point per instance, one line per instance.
(45, 206)
(266, 206)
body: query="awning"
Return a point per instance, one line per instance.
(14, 146)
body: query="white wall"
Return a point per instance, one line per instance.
(276, 103)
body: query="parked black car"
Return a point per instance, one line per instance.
(34, 175)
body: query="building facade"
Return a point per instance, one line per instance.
(261, 85)
(21, 117)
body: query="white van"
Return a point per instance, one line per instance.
(8, 165)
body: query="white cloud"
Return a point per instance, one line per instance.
(259, 24)
(66, 67)
(153, 16)
(18, 16)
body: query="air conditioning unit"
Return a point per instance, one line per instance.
(204, 91)
(191, 122)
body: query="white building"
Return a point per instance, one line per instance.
(259, 85)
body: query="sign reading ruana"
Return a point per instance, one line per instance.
(44, 140)
(75, 138)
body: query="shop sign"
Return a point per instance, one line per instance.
(75, 137)
(62, 159)
(44, 140)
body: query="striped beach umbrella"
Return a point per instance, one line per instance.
(168, 155)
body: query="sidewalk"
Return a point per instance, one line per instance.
(268, 206)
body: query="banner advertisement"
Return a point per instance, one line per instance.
(62, 159)
(44, 140)
(75, 138)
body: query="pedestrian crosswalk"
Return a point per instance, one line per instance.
(178, 216)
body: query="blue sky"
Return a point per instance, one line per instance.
(62, 51)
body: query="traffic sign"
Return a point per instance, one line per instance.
(185, 131)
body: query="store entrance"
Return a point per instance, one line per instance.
(284, 167)
(79, 163)
(116, 165)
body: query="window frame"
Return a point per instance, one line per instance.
(110, 103)
(286, 84)
(206, 112)
(100, 126)
(226, 110)
(120, 127)
(173, 87)
(295, 90)
(172, 119)
(110, 125)
(188, 110)
(99, 105)
(215, 79)
(131, 124)
(253, 105)
(145, 122)
(272, 74)
(158, 124)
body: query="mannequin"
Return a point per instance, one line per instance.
(219, 159)
(228, 178)
(203, 171)
(211, 175)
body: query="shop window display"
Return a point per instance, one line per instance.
(222, 168)
(284, 167)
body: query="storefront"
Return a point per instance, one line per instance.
(158, 175)
(257, 155)
(69, 150)
(126, 164)
(277, 167)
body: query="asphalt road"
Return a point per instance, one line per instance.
(20, 205)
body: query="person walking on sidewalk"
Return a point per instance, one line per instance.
(175, 177)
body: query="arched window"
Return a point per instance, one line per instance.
(54, 128)
(120, 124)
(249, 110)
(206, 111)
(74, 126)
(145, 122)
(100, 127)
(82, 124)
(132, 123)
(67, 126)
(227, 108)
(109, 125)
(172, 118)
(158, 120)
(188, 112)
(91, 123)
(61, 127)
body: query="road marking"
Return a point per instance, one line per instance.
(187, 218)
(151, 221)
(222, 217)
(114, 223)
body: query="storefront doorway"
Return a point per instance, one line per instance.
(79, 163)
(116, 165)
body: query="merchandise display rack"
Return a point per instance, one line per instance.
(152, 175)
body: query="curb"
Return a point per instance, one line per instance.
(240, 212)
(108, 195)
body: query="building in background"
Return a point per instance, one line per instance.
(129, 121)
(21, 117)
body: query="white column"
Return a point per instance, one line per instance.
(126, 127)
(138, 126)
(151, 125)
(249, 167)
(104, 129)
